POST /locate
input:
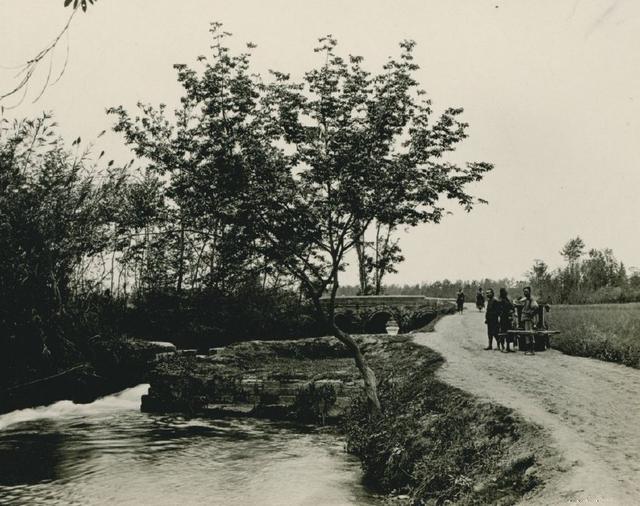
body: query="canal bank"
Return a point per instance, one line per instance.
(432, 443)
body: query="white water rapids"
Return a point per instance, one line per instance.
(128, 399)
(108, 452)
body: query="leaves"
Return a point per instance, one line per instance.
(81, 3)
(289, 172)
(53, 216)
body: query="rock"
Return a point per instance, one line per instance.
(480, 487)
(306, 379)
(125, 362)
(519, 463)
(164, 344)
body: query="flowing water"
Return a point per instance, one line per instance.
(108, 452)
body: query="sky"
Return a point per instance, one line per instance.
(551, 90)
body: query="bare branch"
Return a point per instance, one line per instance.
(27, 70)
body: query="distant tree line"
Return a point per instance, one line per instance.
(446, 288)
(589, 277)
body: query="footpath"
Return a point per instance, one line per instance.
(589, 409)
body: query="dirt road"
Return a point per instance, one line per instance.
(589, 409)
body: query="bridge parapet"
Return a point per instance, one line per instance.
(370, 313)
(377, 300)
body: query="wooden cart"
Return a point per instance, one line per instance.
(540, 336)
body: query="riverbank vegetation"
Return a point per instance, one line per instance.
(608, 332)
(435, 443)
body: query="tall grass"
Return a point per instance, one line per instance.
(604, 331)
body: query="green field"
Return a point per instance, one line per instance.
(605, 331)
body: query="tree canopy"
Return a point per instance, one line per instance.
(573, 250)
(286, 176)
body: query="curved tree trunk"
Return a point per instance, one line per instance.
(369, 377)
(327, 319)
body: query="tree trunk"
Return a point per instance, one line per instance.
(383, 256)
(361, 252)
(327, 319)
(377, 273)
(113, 262)
(180, 259)
(369, 377)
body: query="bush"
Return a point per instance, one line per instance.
(314, 402)
(206, 319)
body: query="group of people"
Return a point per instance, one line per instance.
(500, 313)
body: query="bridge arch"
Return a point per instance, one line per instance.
(377, 322)
(344, 321)
(370, 314)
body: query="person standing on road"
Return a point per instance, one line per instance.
(460, 301)
(479, 300)
(492, 319)
(506, 320)
(529, 313)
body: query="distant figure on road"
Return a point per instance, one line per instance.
(529, 313)
(460, 301)
(479, 300)
(506, 320)
(492, 319)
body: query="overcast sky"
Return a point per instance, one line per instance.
(550, 89)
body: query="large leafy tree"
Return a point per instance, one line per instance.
(376, 258)
(364, 150)
(201, 158)
(601, 269)
(287, 176)
(167, 149)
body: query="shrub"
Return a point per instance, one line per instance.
(314, 402)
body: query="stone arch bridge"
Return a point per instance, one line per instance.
(369, 314)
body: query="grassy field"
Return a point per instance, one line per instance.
(605, 331)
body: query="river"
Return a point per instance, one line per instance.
(108, 452)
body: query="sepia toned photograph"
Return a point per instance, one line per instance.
(319, 253)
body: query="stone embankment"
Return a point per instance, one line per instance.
(307, 379)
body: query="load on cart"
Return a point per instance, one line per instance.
(531, 330)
